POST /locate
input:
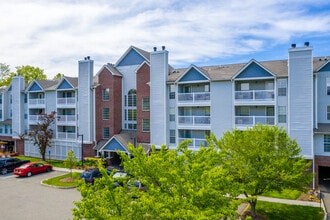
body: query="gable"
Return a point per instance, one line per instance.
(35, 87)
(253, 71)
(64, 85)
(131, 58)
(113, 146)
(193, 75)
(325, 68)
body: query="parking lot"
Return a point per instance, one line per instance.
(25, 198)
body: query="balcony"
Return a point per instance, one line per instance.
(66, 135)
(195, 142)
(249, 121)
(36, 102)
(194, 120)
(66, 119)
(34, 119)
(66, 101)
(254, 96)
(194, 97)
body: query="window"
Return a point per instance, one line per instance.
(1, 114)
(172, 114)
(282, 84)
(106, 132)
(172, 136)
(1, 99)
(132, 97)
(145, 125)
(328, 112)
(105, 94)
(131, 115)
(326, 143)
(245, 86)
(328, 86)
(145, 104)
(281, 114)
(172, 91)
(25, 98)
(106, 114)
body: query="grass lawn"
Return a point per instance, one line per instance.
(55, 163)
(275, 211)
(285, 194)
(64, 180)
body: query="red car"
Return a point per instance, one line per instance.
(32, 168)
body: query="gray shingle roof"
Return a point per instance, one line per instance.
(227, 71)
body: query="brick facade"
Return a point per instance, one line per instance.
(143, 91)
(113, 83)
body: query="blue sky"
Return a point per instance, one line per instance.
(54, 35)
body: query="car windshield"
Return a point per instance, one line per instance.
(24, 166)
(86, 175)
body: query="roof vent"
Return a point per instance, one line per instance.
(163, 47)
(307, 44)
(293, 45)
(155, 48)
(88, 57)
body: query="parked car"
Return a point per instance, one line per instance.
(9, 164)
(90, 175)
(32, 168)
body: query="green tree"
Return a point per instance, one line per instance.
(4, 74)
(70, 161)
(42, 134)
(180, 184)
(30, 73)
(58, 76)
(262, 159)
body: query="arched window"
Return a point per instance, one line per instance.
(131, 98)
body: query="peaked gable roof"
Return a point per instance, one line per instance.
(193, 73)
(66, 83)
(253, 70)
(133, 56)
(324, 67)
(118, 142)
(111, 68)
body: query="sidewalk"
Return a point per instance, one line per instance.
(67, 170)
(289, 201)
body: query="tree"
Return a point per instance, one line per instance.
(30, 73)
(42, 134)
(58, 76)
(262, 159)
(4, 74)
(181, 184)
(70, 161)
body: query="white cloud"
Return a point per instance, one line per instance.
(54, 35)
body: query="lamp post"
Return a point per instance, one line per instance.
(82, 148)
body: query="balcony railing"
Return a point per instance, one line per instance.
(36, 101)
(195, 142)
(66, 135)
(194, 120)
(66, 101)
(255, 95)
(35, 119)
(252, 120)
(194, 97)
(66, 118)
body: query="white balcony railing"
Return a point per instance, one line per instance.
(194, 120)
(255, 95)
(35, 119)
(252, 120)
(195, 142)
(66, 118)
(194, 97)
(66, 101)
(66, 135)
(36, 101)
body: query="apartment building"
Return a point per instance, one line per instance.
(142, 99)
